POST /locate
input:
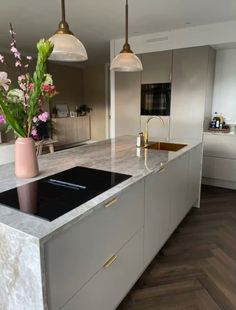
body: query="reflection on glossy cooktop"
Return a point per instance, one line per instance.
(57, 194)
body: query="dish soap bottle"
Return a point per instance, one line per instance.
(216, 120)
(140, 140)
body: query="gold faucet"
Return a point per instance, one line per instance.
(146, 129)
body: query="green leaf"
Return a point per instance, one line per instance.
(45, 48)
(19, 131)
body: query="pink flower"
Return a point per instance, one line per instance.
(46, 87)
(17, 55)
(1, 59)
(4, 81)
(31, 86)
(29, 58)
(21, 78)
(34, 132)
(2, 119)
(17, 63)
(43, 117)
(50, 89)
(14, 49)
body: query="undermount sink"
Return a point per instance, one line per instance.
(165, 146)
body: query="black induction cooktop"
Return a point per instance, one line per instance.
(57, 194)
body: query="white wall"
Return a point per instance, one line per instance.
(224, 97)
(94, 88)
(69, 84)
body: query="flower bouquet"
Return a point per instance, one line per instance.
(22, 108)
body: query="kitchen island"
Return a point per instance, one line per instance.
(90, 257)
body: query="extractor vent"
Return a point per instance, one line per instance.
(160, 39)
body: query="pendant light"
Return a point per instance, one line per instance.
(126, 61)
(66, 46)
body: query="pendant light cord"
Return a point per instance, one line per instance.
(126, 22)
(63, 14)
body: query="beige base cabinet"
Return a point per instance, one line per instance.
(169, 195)
(157, 212)
(219, 160)
(179, 190)
(78, 253)
(71, 130)
(109, 286)
(194, 176)
(93, 263)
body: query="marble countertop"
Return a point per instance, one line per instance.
(117, 155)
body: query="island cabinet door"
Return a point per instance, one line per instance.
(115, 278)
(76, 254)
(157, 212)
(194, 176)
(179, 191)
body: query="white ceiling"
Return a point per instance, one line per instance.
(97, 22)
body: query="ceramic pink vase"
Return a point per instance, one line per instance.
(26, 163)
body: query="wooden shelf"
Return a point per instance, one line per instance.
(224, 130)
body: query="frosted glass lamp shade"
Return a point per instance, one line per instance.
(126, 62)
(67, 48)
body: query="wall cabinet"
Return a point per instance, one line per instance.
(191, 71)
(71, 130)
(127, 107)
(192, 89)
(157, 67)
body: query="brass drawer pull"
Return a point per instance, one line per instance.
(110, 203)
(110, 261)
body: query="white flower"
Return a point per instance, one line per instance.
(48, 79)
(16, 95)
(4, 81)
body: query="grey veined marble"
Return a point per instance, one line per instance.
(22, 236)
(20, 271)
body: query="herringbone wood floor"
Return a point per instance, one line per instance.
(196, 269)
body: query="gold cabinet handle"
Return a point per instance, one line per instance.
(110, 261)
(110, 203)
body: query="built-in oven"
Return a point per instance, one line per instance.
(155, 99)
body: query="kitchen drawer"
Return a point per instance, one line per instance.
(219, 168)
(77, 253)
(110, 285)
(220, 146)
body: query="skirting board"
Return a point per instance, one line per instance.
(219, 183)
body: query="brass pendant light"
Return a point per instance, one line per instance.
(66, 46)
(126, 60)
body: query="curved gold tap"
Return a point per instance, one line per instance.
(146, 128)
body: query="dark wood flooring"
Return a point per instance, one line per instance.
(196, 269)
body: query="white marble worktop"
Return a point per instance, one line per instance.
(117, 155)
